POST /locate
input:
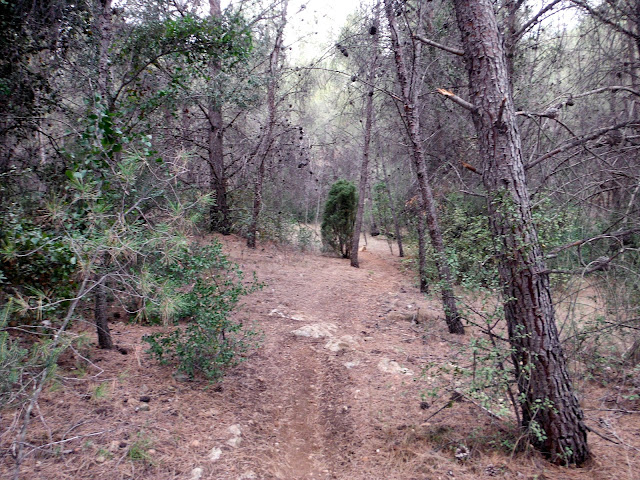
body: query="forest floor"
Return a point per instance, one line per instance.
(352, 404)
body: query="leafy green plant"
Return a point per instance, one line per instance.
(138, 451)
(208, 286)
(13, 360)
(35, 260)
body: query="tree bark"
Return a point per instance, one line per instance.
(219, 212)
(409, 98)
(105, 28)
(100, 315)
(104, 84)
(422, 252)
(550, 410)
(265, 142)
(364, 167)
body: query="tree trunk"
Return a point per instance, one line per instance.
(219, 212)
(409, 97)
(375, 231)
(100, 315)
(105, 27)
(551, 412)
(422, 252)
(364, 167)
(104, 85)
(265, 141)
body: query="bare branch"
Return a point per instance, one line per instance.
(579, 141)
(612, 88)
(455, 51)
(456, 99)
(533, 20)
(600, 16)
(577, 243)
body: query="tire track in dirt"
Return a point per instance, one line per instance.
(302, 403)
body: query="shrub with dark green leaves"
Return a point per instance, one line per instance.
(34, 260)
(339, 217)
(204, 288)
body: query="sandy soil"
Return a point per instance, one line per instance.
(296, 409)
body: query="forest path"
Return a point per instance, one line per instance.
(309, 407)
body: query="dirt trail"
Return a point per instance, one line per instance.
(315, 399)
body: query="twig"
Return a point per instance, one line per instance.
(592, 430)
(59, 442)
(484, 409)
(41, 380)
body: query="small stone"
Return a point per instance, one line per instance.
(181, 377)
(249, 475)
(391, 366)
(234, 442)
(145, 398)
(235, 430)
(151, 451)
(351, 365)
(195, 444)
(101, 459)
(196, 473)
(143, 408)
(113, 446)
(317, 330)
(215, 454)
(346, 342)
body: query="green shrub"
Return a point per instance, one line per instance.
(339, 217)
(34, 259)
(206, 288)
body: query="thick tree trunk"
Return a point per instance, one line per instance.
(219, 213)
(265, 141)
(551, 411)
(452, 316)
(364, 167)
